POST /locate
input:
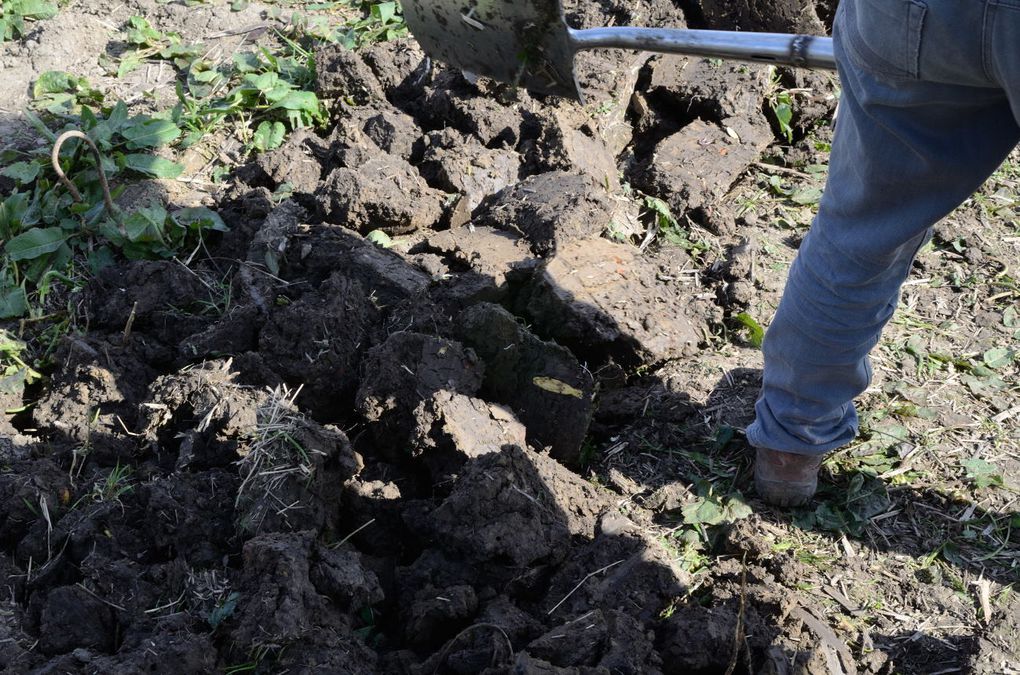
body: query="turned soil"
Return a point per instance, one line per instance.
(494, 446)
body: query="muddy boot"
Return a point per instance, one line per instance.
(784, 478)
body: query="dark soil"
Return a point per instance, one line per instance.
(469, 453)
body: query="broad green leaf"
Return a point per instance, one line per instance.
(703, 512)
(34, 243)
(152, 165)
(269, 136)
(56, 82)
(998, 357)
(100, 259)
(246, 62)
(737, 509)
(13, 212)
(1009, 317)
(200, 218)
(13, 302)
(118, 116)
(806, 196)
(383, 12)
(128, 63)
(784, 115)
(36, 9)
(13, 383)
(984, 474)
(142, 33)
(146, 224)
(149, 133)
(22, 172)
(303, 101)
(379, 238)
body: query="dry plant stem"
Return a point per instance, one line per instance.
(738, 633)
(581, 583)
(55, 161)
(443, 654)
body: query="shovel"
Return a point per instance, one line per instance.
(529, 44)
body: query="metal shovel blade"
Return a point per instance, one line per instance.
(528, 42)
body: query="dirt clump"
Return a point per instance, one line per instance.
(494, 254)
(694, 167)
(317, 341)
(202, 413)
(506, 438)
(550, 210)
(542, 382)
(163, 298)
(341, 73)
(314, 254)
(641, 579)
(610, 642)
(566, 143)
(459, 164)
(290, 469)
(298, 162)
(604, 299)
(728, 93)
(515, 508)
(393, 72)
(171, 641)
(453, 102)
(285, 604)
(203, 532)
(406, 370)
(384, 193)
(72, 618)
(93, 398)
(452, 428)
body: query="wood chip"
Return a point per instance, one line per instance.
(984, 593)
(829, 638)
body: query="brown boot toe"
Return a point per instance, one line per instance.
(785, 478)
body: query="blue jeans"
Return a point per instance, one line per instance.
(929, 109)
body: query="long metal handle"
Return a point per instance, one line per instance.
(805, 51)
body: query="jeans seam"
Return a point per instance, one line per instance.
(986, 46)
(916, 27)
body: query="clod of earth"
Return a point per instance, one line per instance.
(550, 210)
(518, 368)
(601, 296)
(384, 193)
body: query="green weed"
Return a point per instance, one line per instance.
(15, 13)
(223, 610)
(383, 21)
(15, 373)
(780, 102)
(669, 227)
(147, 43)
(755, 333)
(116, 484)
(46, 227)
(983, 474)
(267, 96)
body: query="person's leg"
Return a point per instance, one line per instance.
(905, 153)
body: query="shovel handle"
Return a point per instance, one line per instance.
(803, 51)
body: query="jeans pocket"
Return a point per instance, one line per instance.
(884, 36)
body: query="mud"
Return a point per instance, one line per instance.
(475, 451)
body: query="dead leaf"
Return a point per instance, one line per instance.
(557, 387)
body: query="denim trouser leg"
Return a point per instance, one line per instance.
(906, 152)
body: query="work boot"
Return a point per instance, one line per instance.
(785, 478)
